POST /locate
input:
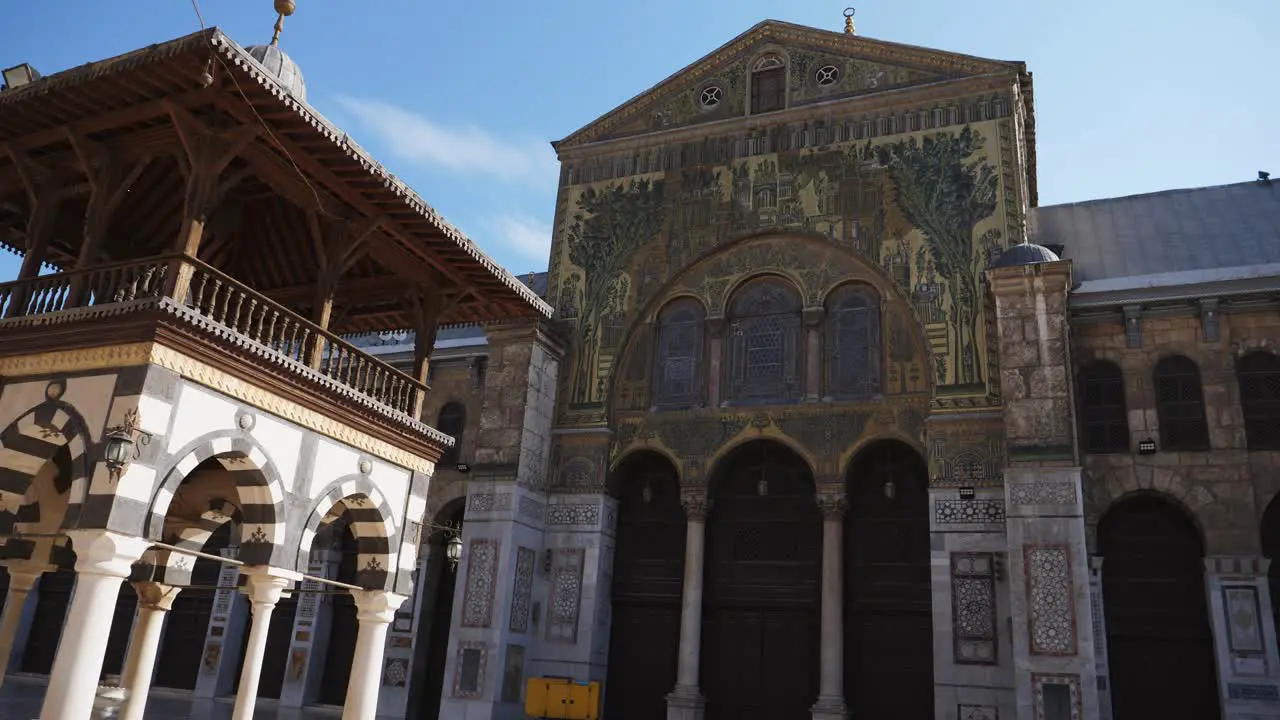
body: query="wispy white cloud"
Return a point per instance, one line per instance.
(460, 149)
(529, 237)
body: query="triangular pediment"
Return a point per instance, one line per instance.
(821, 66)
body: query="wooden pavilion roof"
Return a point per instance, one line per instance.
(298, 173)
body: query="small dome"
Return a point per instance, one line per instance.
(1025, 254)
(275, 61)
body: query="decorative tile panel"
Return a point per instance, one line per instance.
(1042, 702)
(977, 712)
(566, 594)
(468, 677)
(489, 502)
(1244, 622)
(522, 590)
(1044, 492)
(574, 514)
(973, 608)
(532, 509)
(968, 512)
(482, 575)
(1050, 600)
(395, 672)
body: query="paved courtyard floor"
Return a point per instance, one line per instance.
(22, 695)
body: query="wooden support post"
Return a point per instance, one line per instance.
(426, 305)
(338, 244)
(206, 154)
(109, 182)
(45, 192)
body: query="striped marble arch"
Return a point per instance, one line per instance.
(33, 440)
(371, 521)
(259, 494)
(173, 567)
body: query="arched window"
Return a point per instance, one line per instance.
(452, 421)
(853, 342)
(1259, 376)
(764, 343)
(677, 377)
(1104, 419)
(768, 85)
(1180, 405)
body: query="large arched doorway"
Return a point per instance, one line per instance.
(648, 571)
(1158, 633)
(436, 613)
(187, 624)
(888, 592)
(761, 616)
(1270, 531)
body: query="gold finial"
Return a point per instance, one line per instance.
(284, 8)
(848, 21)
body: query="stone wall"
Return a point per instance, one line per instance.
(1227, 488)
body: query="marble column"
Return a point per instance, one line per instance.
(22, 578)
(686, 701)
(263, 587)
(154, 602)
(103, 561)
(830, 705)
(375, 609)
(715, 355)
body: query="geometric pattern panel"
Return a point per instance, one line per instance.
(482, 576)
(973, 608)
(1050, 600)
(566, 594)
(522, 591)
(966, 512)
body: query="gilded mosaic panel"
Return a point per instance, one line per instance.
(641, 221)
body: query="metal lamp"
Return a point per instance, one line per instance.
(120, 449)
(453, 548)
(19, 75)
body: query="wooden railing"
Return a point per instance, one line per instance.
(224, 301)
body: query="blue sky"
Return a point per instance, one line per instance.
(461, 97)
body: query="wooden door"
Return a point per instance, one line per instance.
(1158, 634)
(888, 593)
(648, 569)
(184, 632)
(761, 623)
(343, 628)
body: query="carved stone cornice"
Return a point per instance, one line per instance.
(833, 506)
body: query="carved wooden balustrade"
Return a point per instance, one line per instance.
(220, 306)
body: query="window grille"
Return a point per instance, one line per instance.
(678, 375)
(452, 420)
(853, 355)
(1104, 418)
(1258, 373)
(1180, 405)
(764, 343)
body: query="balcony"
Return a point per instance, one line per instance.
(181, 301)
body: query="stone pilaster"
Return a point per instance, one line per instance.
(228, 622)
(304, 666)
(496, 614)
(1243, 636)
(1099, 619)
(1048, 565)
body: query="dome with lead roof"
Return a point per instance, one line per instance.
(1025, 254)
(282, 67)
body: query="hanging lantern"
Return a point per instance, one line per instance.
(890, 489)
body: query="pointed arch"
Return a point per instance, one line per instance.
(33, 439)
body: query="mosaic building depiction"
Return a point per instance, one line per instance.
(816, 412)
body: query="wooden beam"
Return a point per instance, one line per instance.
(118, 118)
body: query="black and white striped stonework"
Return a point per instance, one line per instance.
(411, 538)
(371, 521)
(29, 442)
(173, 567)
(258, 491)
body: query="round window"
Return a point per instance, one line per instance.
(827, 75)
(711, 97)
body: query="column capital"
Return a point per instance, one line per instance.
(102, 552)
(24, 575)
(264, 585)
(155, 596)
(377, 606)
(812, 316)
(832, 505)
(696, 504)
